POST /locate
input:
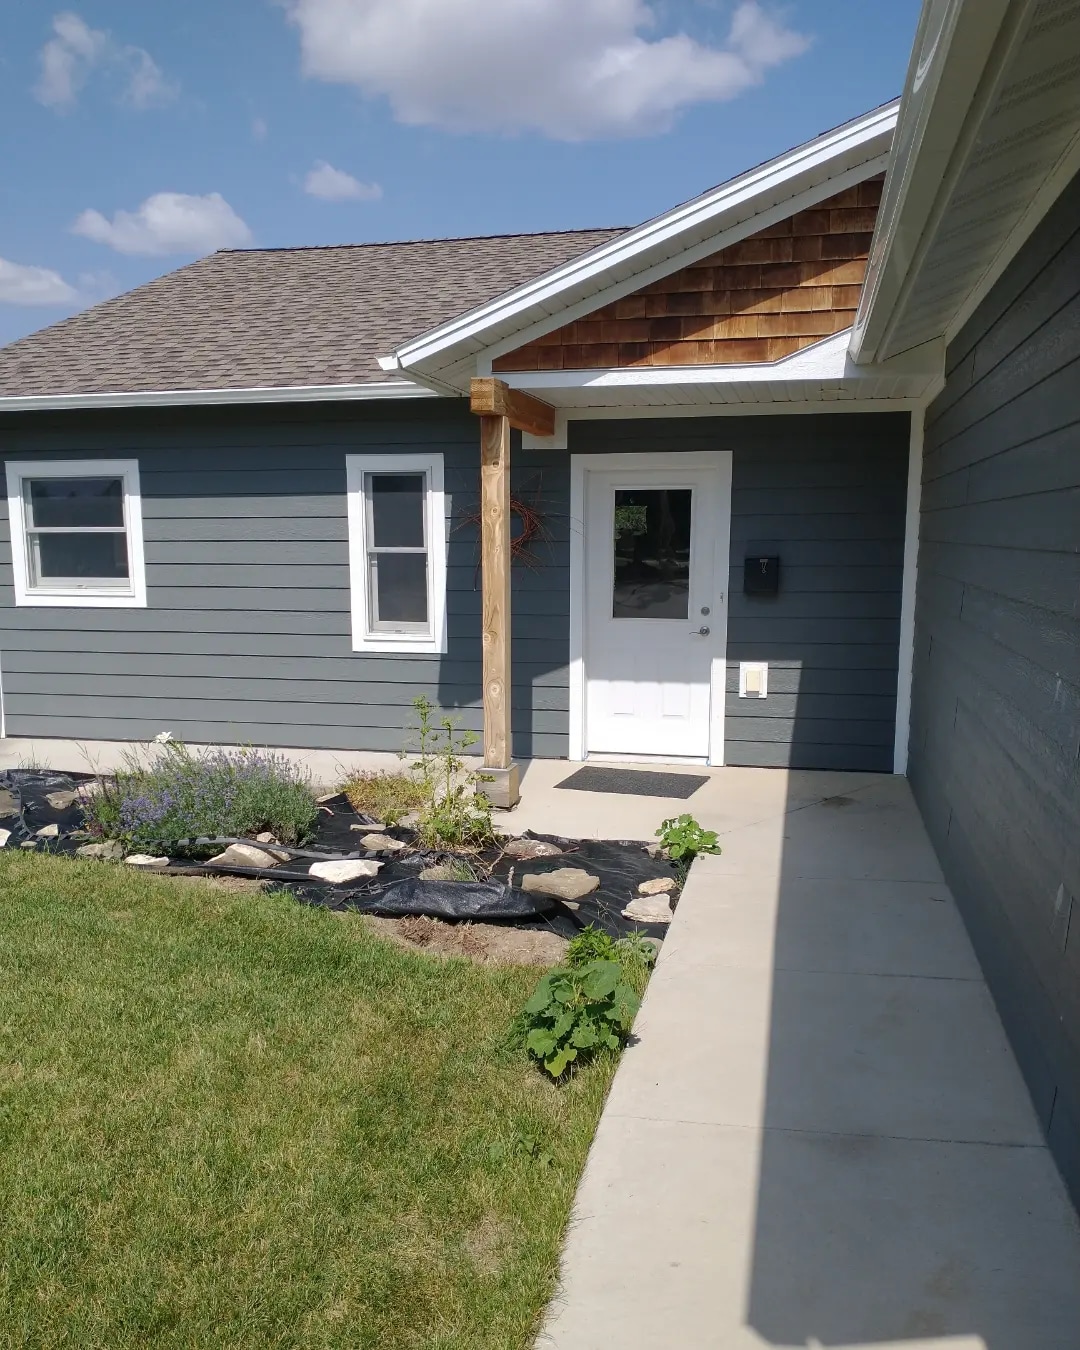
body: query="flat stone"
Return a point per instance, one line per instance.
(27, 843)
(440, 872)
(9, 806)
(145, 860)
(107, 851)
(341, 870)
(655, 850)
(327, 797)
(657, 886)
(93, 787)
(245, 855)
(60, 801)
(5, 835)
(48, 831)
(650, 909)
(530, 848)
(565, 883)
(267, 837)
(381, 843)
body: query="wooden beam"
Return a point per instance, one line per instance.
(495, 571)
(495, 398)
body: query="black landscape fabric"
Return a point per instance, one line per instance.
(397, 891)
(634, 782)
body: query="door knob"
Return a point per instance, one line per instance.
(701, 632)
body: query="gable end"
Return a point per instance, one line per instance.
(758, 300)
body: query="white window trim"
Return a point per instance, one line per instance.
(363, 639)
(78, 597)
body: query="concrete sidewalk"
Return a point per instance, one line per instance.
(820, 1137)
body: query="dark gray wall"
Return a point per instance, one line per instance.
(827, 493)
(246, 636)
(995, 746)
(247, 633)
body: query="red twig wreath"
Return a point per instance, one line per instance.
(527, 527)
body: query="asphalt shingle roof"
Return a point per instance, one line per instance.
(278, 317)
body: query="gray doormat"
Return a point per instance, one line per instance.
(634, 782)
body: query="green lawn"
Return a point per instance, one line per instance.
(227, 1120)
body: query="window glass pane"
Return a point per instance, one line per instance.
(397, 509)
(399, 589)
(73, 502)
(652, 553)
(56, 558)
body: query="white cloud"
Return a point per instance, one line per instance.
(20, 285)
(76, 50)
(168, 222)
(67, 59)
(147, 86)
(259, 128)
(571, 69)
(335, 185)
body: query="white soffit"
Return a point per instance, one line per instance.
(823, 373)
(989, 134)
(450, 354)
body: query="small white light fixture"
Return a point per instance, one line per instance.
(753, 679)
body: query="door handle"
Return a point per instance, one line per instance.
(703, 631)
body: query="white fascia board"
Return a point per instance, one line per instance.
(855, 145)
(945, 97)
(179, 398)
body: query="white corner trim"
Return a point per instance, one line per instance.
(868, 136)
(81, 597)
(179, 398)
(363, 640)
(905, 673)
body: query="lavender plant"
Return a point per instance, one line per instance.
(182, 794)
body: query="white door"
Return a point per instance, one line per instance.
(654, 611)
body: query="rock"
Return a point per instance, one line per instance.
(145, 860)
(107, 851)
(266, 837)
(565, 883)
(530, 848)
(327, 797)
(60, 801)
(48, 832)
(381, 843)
(28, 843)
(368, 827)
(340, 870)
(440, 872)
(657, 886)
(650, 909)
(93, 787)
(245, 855)
(410, 820)
(5, 835)
(655, 850)
(8, 804)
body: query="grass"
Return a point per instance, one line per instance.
(229, 1120)
(386, 796)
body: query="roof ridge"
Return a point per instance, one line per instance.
(439, 239)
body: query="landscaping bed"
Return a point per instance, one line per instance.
(229, 1120)
(487, 882)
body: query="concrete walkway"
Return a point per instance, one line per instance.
(820, 1137)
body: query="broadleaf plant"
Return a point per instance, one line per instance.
(682, 839)
(577, 1011)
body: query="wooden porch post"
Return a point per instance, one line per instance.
(499, 409)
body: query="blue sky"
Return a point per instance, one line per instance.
(138, 136)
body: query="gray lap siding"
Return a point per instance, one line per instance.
(826, 492)
(246, 636)
(995, 743)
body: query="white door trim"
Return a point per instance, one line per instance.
(580, 465)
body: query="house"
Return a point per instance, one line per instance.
(786, 476)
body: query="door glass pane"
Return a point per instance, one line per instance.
(59, 558)
(399, 589)
(68, 503)
(652, 553)
(397, 509)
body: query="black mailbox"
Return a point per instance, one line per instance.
(761, 575)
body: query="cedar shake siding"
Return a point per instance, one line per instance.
(995, 728)
(761, 299)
